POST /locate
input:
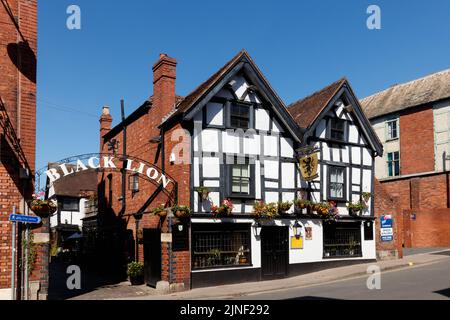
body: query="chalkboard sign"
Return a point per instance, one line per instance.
(180, 237)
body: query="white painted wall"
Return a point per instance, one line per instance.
(312, 249)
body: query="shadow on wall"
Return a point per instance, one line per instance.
(24, 58)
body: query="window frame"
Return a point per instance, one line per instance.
(344, 130)
(73, 200)
(251, 110)
(355, 226)
(392, 162)
(222, 228)
(229, 178)
(344, 193)
(397, 128)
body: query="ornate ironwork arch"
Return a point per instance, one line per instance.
(171, 193)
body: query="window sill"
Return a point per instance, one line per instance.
(234, 266)
(240, 197)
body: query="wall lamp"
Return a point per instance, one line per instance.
(297, 229)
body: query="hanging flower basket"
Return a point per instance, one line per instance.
(181, 212)
(203, 193)
(160, 211)
(284, 207)
(225, 209)
(42, 208)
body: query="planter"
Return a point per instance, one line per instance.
(162, 214)
(182, 214)
(242, 260)
(42, 208)
(137, 280)
(204, 195)
(354, 212)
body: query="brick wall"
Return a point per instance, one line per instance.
(139, 134)
(386, 204)
(417, 141)
(18, 91)
(426, 197)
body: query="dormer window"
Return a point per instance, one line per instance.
(337, 129)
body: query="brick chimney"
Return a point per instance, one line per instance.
(164, 76)
(105, 125)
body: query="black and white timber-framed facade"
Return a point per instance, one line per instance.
(244, 144)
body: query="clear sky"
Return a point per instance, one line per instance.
(300, 46)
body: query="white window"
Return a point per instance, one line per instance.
(241, 179)
(392, 129)
(336, 183)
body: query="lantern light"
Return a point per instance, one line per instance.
(297, 229)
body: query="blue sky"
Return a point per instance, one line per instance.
(300, 46)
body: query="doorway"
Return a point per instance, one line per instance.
(274, 252)
(152, 256)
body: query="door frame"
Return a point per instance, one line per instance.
(285, 230)
(152, 277)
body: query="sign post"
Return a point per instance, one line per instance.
(18, 218)
(13, 258)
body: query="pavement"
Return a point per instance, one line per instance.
(421, 282)
(240, 291)
(287, 288)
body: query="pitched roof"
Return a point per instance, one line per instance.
(187, 102)
(428, 89)
(75, 185)
(306, 110)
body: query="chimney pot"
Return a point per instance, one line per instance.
(105, 110)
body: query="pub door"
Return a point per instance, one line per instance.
(274, 252)
(152, 256)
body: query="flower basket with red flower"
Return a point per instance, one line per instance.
(42, 207)
(225, 209)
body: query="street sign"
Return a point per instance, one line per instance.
(24, 219)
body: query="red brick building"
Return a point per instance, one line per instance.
(18, 42)
(413, 122)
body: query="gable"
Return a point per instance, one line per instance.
(344, 104)
(246, 82)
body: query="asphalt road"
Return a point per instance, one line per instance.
(425, 282)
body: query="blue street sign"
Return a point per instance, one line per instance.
(24, 219)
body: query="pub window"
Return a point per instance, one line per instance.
(337, 129)
(342, 239)
(240, 116)
(336, 183)
(224, 245)
(393, 163)
(392, 130)
(70, 204)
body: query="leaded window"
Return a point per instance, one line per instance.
(240, 179)
(342, 239)
(336, 183)
(240, 116)
(337, 130)
(224, 245)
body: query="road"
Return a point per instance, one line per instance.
(425, 282)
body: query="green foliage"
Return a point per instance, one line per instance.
(135, 269)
